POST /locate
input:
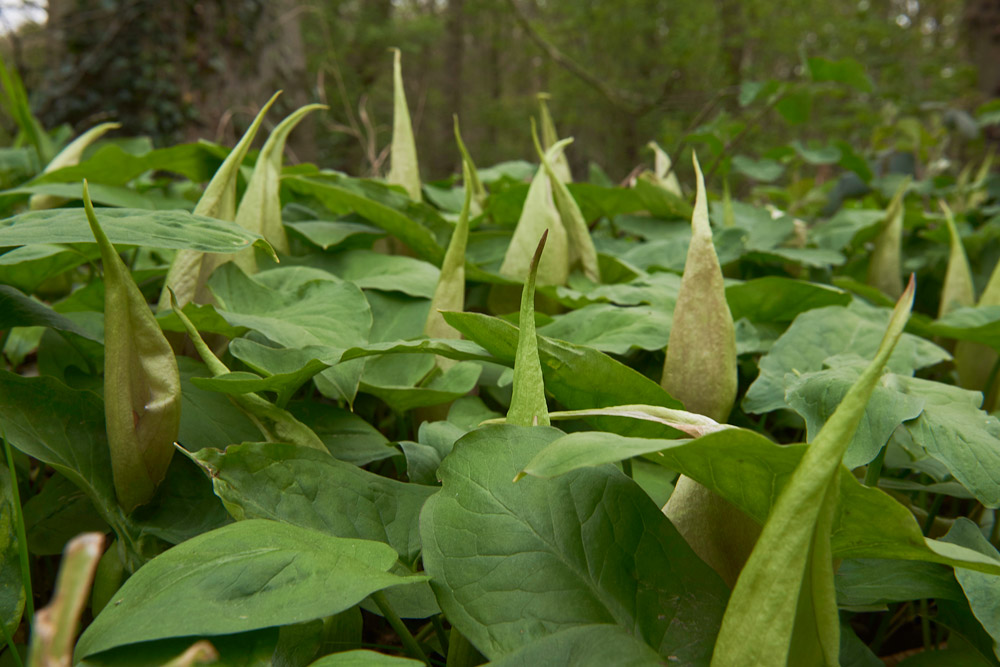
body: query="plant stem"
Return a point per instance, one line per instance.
(22, 540)
(409, 643)
(461, 653)
(627, 467)
(440, 631)
(925, 625)
(995, 530)
(10, 646)
(991, 380)
(932, 513)
(875, 468)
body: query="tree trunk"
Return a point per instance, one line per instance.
(982, 26)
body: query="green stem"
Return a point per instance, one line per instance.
(22, 540)
(932, 513)
(990, 381)
(10, 646)
(3, 343)
(627, 467)
(409, 643)
(995, 530)
(880, 631)
(461, 652)
(875, 468)
(925, 625)
(442, 635)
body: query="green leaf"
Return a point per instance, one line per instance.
(451, 384)
(62, 427)
(191, 269)
(817, 335)
(763, 170)
(156, 229)
(816, 396)
(347, 436)
(623, 565)
(863, 582)
(274, 422)
(18, 310)
(68, 157)
(527, 403)
(980, 589)
(885, 270)
(112, 165)
(57, 514)
(953, 430)
(208, 419)
(584, 646)
(700, 366)
(12, 597)
(783, 606)
(326, 235)
(578, 377)
(976, 325)
(846, 70)
(297, 307)
(364, 658)
(245, 649)
(823, 155)
(309, 489)
(780, 299)
(795, 106)
(18, 107)
(390, 273)
(845, 227)
(612, 329)
(27, 267)
(750, 471)
(244, 576)
(183, 507)
(384, 208)
(404, 169)
(142, 386)
(260, 209)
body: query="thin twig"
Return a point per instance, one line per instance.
(620, 99)
(742, 134)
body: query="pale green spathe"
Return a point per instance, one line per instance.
(700, 368)
(191, 269)
(404, 169)
(142, 386)
(885, 266)
(783, 609)
(260, 208)
(527, 403)
(69, 157)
